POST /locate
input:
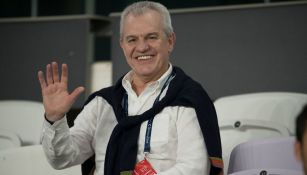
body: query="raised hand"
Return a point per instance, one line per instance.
(56, 98)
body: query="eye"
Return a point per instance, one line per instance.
(153, 37)
(131, 40)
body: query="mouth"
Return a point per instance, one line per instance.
(144, 57)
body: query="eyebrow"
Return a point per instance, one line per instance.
(130, 36)
(153, 33)
(148, 34)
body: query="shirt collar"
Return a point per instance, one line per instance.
(127, 79)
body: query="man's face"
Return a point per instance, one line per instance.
(145, 45)
(301, 151)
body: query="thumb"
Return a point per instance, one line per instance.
(75, 94)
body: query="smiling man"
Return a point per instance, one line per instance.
(146, 46)
(154, 120)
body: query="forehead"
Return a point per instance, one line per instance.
(148, 22)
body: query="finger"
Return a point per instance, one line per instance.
(55, 72)
(75, 94)
(41, 79)
(49, 74)
(64, 77)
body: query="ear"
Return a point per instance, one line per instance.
(171, 42)
(298, 150)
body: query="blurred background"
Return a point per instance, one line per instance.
(27, 8)
(249, 55)
(243, 45)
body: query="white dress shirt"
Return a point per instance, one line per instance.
(177, 144)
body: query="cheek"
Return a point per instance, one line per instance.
(127, 51)
(161, 47)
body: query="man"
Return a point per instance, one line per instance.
(301, 138)
(154, 120)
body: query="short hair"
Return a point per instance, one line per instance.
(141, 7)
(301, 124)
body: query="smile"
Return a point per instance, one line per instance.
(144, 57)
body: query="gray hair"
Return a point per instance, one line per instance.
(141, 7)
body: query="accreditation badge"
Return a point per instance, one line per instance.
(143, 168)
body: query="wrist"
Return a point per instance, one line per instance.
(51, 122)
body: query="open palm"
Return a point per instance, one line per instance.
(56, 98)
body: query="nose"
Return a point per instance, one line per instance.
(142, 46)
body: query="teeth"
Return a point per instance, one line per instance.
(145, 57)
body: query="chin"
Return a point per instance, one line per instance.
(145, 71)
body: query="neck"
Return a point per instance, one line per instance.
(140, 83)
